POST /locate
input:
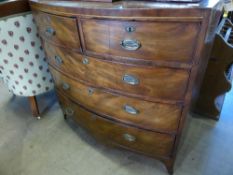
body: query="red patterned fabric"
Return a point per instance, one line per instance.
(23, 65)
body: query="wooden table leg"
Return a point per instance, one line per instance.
(34, 106)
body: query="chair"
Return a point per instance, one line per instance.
(23, 65)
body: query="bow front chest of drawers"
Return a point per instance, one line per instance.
(128, 71)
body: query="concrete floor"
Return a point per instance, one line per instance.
(52, 146)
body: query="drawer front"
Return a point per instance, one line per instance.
(60, 30)
(143, 114)
(147, 142)
(144, 82)
(167, 41)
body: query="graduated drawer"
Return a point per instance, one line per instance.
(164, 40)
(143, 114)
(108, 131)
(60, 30)
(143, 82)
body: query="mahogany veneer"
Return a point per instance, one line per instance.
(109, 75)
(148, 142)
(153, 116)
(127, 71)
(155, 45)
(67, 35)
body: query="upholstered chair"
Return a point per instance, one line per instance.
(23, 66)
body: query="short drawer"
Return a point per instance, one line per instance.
(60, 30)
(164, 40)
(143, 114)
(142, 141)
(154, 83)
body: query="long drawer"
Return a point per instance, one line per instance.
(145, 82)
(59, 30)
(143, 114)
(158, 40)
(146, 142)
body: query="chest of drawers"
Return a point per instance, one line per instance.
(127, 71)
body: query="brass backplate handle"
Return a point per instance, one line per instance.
(131, 110)
(130, 44)
(129, 137)
(130, 79)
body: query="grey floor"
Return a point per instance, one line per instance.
(52, 146)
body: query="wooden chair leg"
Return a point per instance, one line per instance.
(34, 107)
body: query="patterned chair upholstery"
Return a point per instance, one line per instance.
(23, 66)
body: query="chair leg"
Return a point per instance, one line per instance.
(34, 107)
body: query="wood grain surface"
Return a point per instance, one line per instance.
(64, 30)
(176, 37)
(154, 82)
(153, 116)
(146, 142)
(163, 47)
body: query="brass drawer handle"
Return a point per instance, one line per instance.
(130, 79)
(131, 110)
(129, 44)
(69, 111)
(130, 29)
(129, 137)
(65, 86)
(49, 31)
(58, 60)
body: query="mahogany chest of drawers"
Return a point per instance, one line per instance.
(127, 71)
